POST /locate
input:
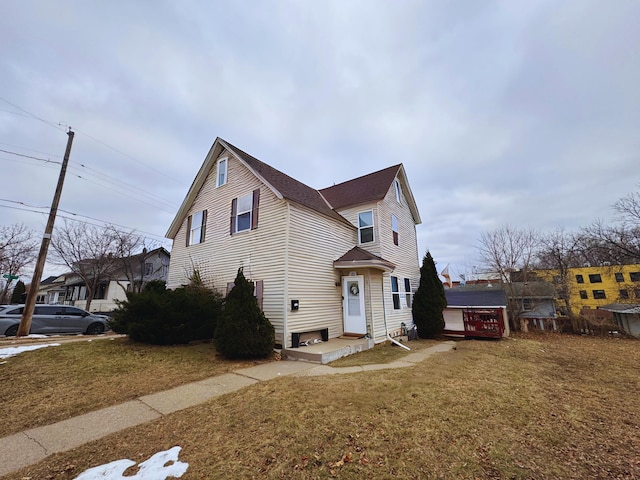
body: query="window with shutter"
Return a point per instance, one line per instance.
(196, 227)
(244, 212)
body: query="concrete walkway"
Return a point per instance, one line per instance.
(31, 446)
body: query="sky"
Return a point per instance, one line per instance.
(502, 112)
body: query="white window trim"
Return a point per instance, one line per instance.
(195, 231)
(396, 186)
(395, 292)
(408, 294)
(372, 227)
(243, 212)
(225, 162)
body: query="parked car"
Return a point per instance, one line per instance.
(52, 319)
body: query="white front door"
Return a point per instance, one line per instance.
(355, 320)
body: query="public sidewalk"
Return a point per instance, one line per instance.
(31, 446)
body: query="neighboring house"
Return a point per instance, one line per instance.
(52, 290)
(591, 287)
(626, 316)
(478, 310)
(534, 304)
(338, 261)
(70, 289)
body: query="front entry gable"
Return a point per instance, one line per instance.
(358, 257)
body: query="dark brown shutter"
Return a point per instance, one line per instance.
(259, 289)
(395, 238)
(254, 213)
(188, 229)
(204, 226)
(234, 210)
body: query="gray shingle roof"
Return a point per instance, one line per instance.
(488, 297)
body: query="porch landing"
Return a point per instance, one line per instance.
(325, 352)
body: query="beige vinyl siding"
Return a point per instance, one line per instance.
(376, 302)
(260, 252)
(315, 241)
(351, 214)
(404, 256)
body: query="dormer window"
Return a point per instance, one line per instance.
(222, 172)
(396, 186)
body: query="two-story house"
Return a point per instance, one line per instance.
(342, 260)
(124, 275)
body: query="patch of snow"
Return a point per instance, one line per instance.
(160, 466)
(13, 351)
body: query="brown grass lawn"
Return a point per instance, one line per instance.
(56, 383)
(537, 407)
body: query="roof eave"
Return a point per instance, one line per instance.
(377, 264)
(413, 206)
(196, 185)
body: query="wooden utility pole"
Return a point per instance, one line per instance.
(25, 322)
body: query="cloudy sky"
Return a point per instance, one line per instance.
(520, 112)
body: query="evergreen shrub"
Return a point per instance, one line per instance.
(166, 317)
(243, 331)
(429, 301)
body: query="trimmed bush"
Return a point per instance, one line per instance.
(243, 331)
(165, 317)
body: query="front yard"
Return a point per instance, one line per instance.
(528, 407)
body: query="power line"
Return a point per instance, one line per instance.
(29, 156)
(51, 124)
(122, 192)
(128, 156)
(102, 222)
(119, 183)
(30, 149)
(57, 127)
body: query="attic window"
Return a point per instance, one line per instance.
(222, 172)
(396, 186)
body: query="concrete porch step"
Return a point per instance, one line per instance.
(325, 352)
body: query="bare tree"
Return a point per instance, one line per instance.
(506, 250)
(89, 252)
(618, 243)
(628, 208)
(559, 251)
(133, 253)
(18, 250)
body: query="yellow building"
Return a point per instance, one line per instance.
(591, 287)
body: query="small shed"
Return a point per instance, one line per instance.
(626, 316)
(476, 311)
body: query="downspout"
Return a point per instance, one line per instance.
(384, 316)
(285, 317)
